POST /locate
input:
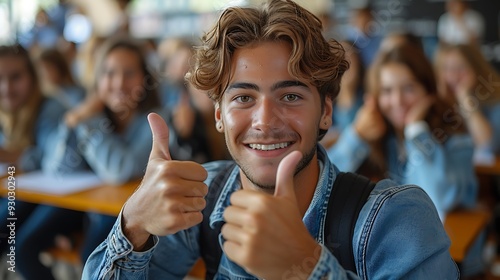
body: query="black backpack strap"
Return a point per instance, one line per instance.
(350, 192)
(211, 252)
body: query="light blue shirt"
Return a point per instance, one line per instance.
(398, 234)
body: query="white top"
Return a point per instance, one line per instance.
(459, 30)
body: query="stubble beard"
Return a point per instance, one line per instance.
(303, 163)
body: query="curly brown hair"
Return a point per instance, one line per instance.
(313, 59)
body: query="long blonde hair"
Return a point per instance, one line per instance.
(18, 126)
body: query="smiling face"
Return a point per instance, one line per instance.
(266, 113)
(121, 85)
(399, 92)
(16, 83)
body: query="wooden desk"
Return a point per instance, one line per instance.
(104, 199)
(463, 227)
(493, 169)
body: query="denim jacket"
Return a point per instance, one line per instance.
(398, 235)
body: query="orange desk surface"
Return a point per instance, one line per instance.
(104, 199)
(463, 227)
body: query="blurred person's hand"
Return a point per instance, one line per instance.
(465, 88)
(369, 123)
(9, 156)
(419, 110)
(184, 117)
(89, 108)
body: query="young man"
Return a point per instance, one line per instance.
(273, 78)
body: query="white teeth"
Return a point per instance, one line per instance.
(270, 147)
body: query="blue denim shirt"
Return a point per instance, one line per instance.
(398, 235)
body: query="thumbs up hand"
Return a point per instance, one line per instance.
(171, 195)
(265, 234)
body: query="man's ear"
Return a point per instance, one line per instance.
(326, 117)
(219, 125)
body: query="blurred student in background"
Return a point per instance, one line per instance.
(57, 79)
(174, 54)
(350, 97)
(460, 24)
(191, 113)
(366, 32)
(84, 65)
(401, 131)
(470, 84)
(397, 38)
(27, 119)
(110, 135)
(351, 93)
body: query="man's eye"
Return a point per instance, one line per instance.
(243, 99)
(290, 97)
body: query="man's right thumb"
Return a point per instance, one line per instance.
(160, 132)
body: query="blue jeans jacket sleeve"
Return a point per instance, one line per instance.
(349, 152)
(444, 171)
(173, 257)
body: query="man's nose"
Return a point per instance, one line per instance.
(268, 115)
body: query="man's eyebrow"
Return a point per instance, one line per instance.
(285, 84)
(243, 85)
